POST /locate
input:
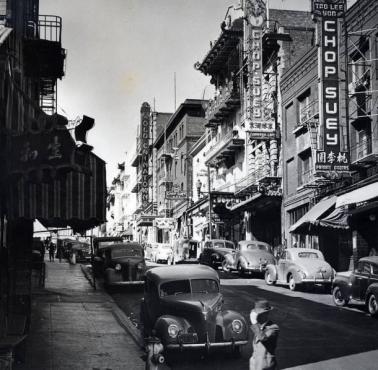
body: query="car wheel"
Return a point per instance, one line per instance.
(225, 266)
(292, 283)
(268, 278)
(338, 298)
(373, 305)
(240, 270)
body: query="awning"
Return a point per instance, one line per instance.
(302, 226)
(75, 199)
(360, 195)
(338, 219)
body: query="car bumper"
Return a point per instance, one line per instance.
(317, 280)
(250, 269)
(119, 283)
(208, 346)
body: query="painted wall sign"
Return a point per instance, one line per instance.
(176, 195)
(145, 157)
(330, 158)
(257, 124)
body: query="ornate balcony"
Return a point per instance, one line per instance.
(225, 147)
(225, 102)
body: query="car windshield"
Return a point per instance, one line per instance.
(258, 247)
(223, 244)
(308, 255)
(189, 286)
(127, 251)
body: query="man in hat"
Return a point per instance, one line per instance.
(265, 338)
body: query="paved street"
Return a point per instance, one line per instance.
(312, 328)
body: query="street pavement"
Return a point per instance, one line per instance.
(314, 334)
(75, 327)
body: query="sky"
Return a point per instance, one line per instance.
(121, 53)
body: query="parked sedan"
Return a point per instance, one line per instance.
(184, 307)
(299, 266)
(250, 256)
(121, 264)
(163, 253)
(360, 284)
(214, 252)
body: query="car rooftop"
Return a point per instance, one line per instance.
(180, 272)
(302, 250)
(252, 242)
(373, 259)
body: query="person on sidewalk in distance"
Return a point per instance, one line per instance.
(51, 251)
(265, 338)
(59, 252)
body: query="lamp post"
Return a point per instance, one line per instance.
(210, 205)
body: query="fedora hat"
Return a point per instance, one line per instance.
(262, 306)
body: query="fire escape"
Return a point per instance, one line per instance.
(44, 57)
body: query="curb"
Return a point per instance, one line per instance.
(119, 315)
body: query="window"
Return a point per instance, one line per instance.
(363, 268)
(305, 169)
(297, 213)
(304, 111)
(308, 255)
(375, 269)
(290, 119)
(204, 286)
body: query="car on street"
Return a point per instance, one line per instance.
(360, 285)
(300, 267)
(120, 263)
(183, 305)
(214, 252)
(162, 253)
(186, 250)
(250, 256)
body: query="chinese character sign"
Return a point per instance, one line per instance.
(330, 158)
(145, 142)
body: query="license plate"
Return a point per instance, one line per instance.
(188, 338)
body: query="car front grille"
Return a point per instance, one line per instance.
(188, 338)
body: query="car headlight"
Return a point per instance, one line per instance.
(118, 267)
(173, 330)
(140, 266)
(237, 326)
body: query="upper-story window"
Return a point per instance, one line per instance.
(304, 107)
(305, 169)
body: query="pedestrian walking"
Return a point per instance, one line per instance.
(59, 252)
(51, 251)
(265, 338)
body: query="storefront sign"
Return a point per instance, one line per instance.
(145, 142)
(36, 151)
(165, 223)
(176, 195)
(258, 124)
(330, 158)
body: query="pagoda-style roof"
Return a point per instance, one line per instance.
(221, 49)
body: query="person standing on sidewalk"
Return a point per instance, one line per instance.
(51, 251)
(265, 338)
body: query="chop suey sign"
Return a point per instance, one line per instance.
(331, 157)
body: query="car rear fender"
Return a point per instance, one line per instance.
(162, 324)
(373, 288)
(224, 320)
(294, 272)
(272, 269)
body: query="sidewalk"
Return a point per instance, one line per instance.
(75, 327)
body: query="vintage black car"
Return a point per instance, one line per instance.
(214, 252)
(184, 306)
(120, 263)
(360, 284)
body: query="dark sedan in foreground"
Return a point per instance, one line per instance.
(183, 305)
(360, 285)
(214, 252)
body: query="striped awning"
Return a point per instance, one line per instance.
(72, 198)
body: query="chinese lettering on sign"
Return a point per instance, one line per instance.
(331, 157)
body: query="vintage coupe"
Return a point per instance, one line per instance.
(360, 285)
(300, 266)
(214, 252)
(250, 256)
(163, 253)
(183, 305)
(120, 263)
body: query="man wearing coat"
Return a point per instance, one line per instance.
(265, 338)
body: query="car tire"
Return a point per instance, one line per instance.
(373, 305)
(240, 270)
(268, 278)
(338, 298)
(292, 283)
(225, 267)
